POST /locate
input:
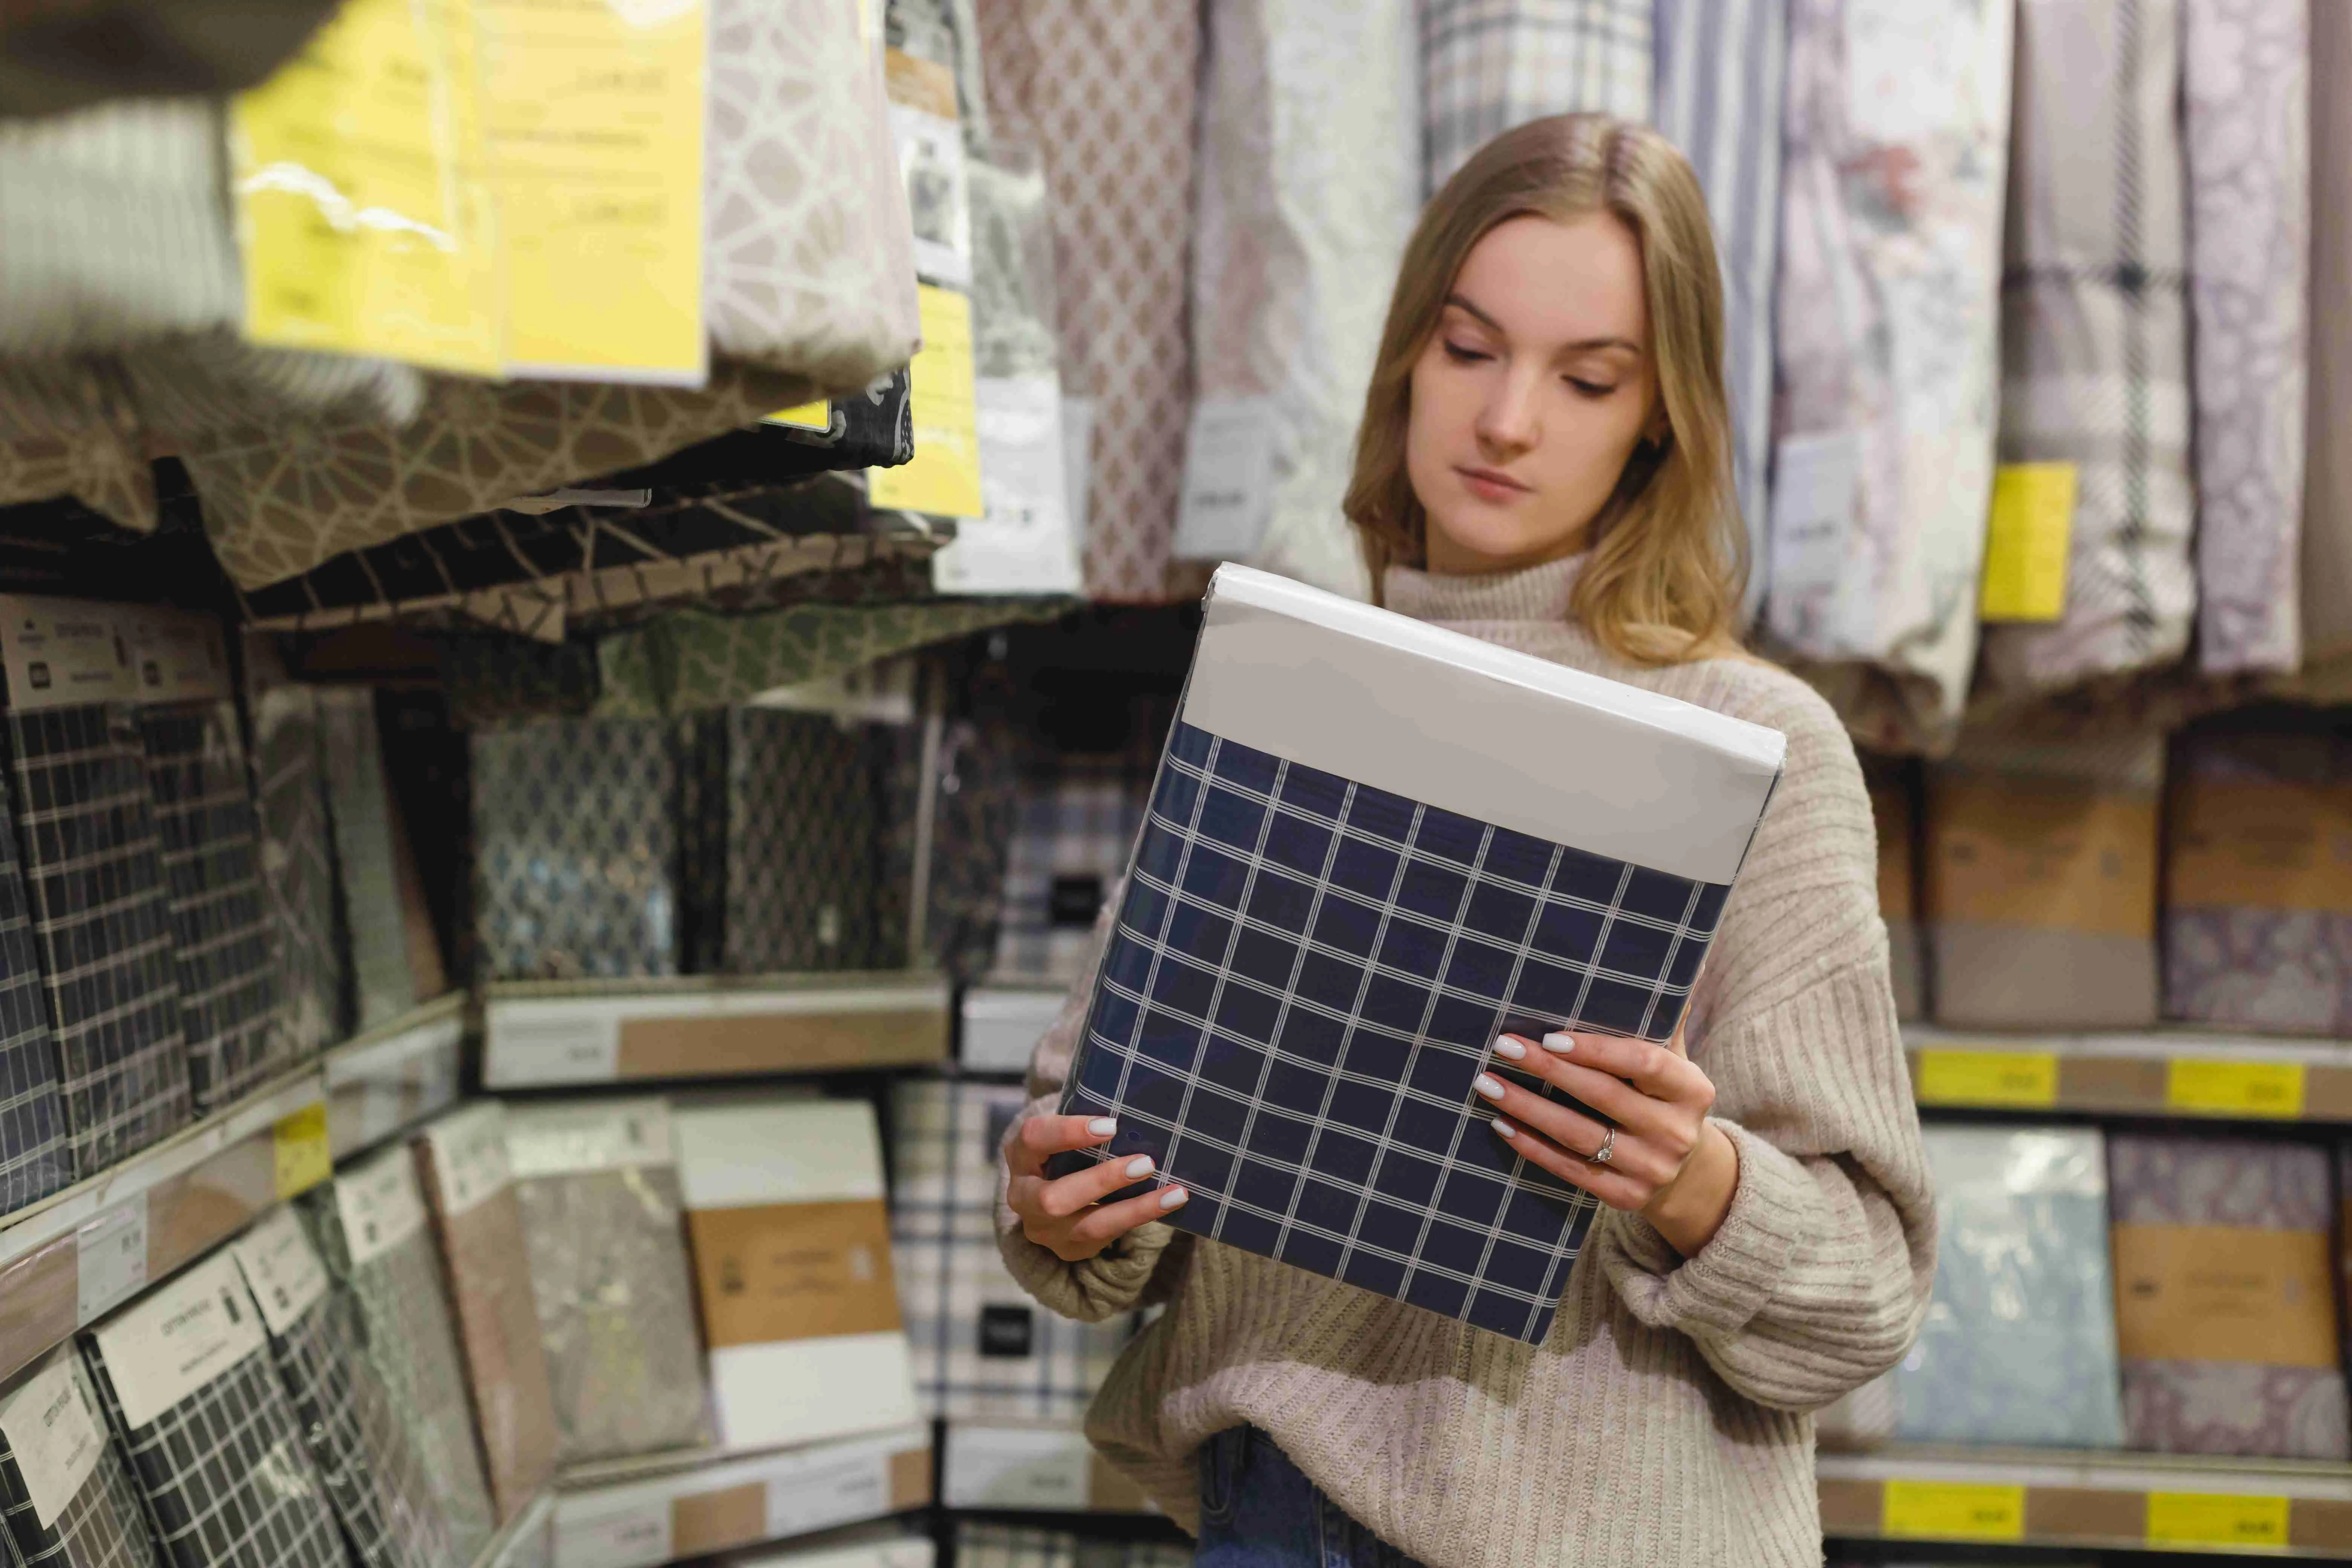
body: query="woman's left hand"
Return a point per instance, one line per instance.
(1666, 1161)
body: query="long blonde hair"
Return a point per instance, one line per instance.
(1668, 556)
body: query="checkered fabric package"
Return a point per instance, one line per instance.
(1326, 925)
(983, 1349)
(576, 849)
(373, 1476)
(93, 866)
(803, 844)
(396, 1282)
(1490, 65)
(1013, 1546)
(222, 1466)
(101, 1526)
(297, 865)
(33, 1162)
(220, 923)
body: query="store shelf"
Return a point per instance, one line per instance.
(395, 1076)
(1032, 1469)
(527, 1542)
(1002, 1024)
(545, 1034)
(2163, 1072)
(644, 1513)
(66, 1261)
(2025, 1497)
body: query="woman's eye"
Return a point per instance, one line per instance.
(1463, 353)
(1591, 388)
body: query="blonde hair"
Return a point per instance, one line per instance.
(1668, 556)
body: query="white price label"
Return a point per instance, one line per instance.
(563, 1042)
(1815, 483)
(1228, 479)
(469, 1157)
(609, 1136)
(51, 1426)
(282, 1269)
(633, 1537)
(380, 1206)
(181, 1337)
(1017, 1467)
(828, 1493)
(110, 1260)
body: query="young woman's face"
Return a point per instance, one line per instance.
(1536, 389)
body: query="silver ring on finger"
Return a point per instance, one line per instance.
(1608, 1150)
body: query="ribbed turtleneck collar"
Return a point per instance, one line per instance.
(1532, 594)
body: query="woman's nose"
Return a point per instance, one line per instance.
(1508, 424)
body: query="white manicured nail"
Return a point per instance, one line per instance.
(1505, 1128)
(1562, 1044)
(1510, 1050)
(1172, 1197)
(1139, 1166)
(1487, 1086)
(1102, 1126)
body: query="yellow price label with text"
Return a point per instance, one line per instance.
(2026, 543)
(815, 416)
(1953, 1510)
(2024, 1080)
(2234, 1089)
(943, 479)
(2216, 1519)
(304, 1155)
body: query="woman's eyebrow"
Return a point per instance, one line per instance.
(1582, 345)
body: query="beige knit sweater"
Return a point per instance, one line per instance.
(1666, 1419)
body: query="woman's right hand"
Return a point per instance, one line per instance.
(1066, 1214)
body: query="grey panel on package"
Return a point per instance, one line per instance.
(101, 925)
(298, 866)
(412, 1342)
(220, 925)
(576, 849)
(103, 1527)
(383, 982)
(226, 1478)
(2018, 1345)
(34, 1160)
(803, 843)
(615, 1296)
(373, 1475)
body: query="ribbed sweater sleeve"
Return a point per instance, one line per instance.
(1116, 1280)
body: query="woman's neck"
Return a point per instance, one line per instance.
(1539, 592)
(1450, 558)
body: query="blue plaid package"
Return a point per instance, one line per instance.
(1373, 844)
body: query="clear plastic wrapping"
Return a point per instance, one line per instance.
(297, 866)
(2019, 1345)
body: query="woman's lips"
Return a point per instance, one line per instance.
(1492, 485)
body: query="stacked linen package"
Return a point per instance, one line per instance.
(298, 851)
(1330, 919)
(395, 960)
(66, 1499)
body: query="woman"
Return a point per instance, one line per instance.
(1542, 463)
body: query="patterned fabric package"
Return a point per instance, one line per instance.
(395, 959)
(948, 834)
(1106, 89)
(1887, 336)
(373, 1475)
(1722, 88)
(93, 865)
(2246, 121)
(576, 849)
(66, 1499)
(214, 1444)
(34, 1159)
(203, 797)
(462, 1164)
(1251, 1026)
(597, 1183)
(2256, 885)
(856, 1548)
(983, 1349)
(1490, 65)
(2095, 333)
(791, 1242)
(297, 854)
(1895, 807)
(2327, 488)
(2019, 1346)
(1309, 182)
(2225, 1297)
(2038, 889)
(370, 1224)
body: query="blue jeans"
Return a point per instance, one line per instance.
(1259, 1510)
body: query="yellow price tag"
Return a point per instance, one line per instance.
(807, 416)
(2026, 541)
(2215, 1519)
(361, 204)
(1953, 1510)
(304, 1155)
(2234, 1089)
(2027, 1079)
(943, 479)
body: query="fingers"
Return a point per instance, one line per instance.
(1612, 1186)
(1576, 1135)
(1625, 1081)
(1040, 1136)
(1099, 1226)
(1652, 1069)
(1061, 1199)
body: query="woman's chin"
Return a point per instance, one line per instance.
(1491, 543)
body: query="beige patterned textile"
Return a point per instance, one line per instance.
(1106, 88)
